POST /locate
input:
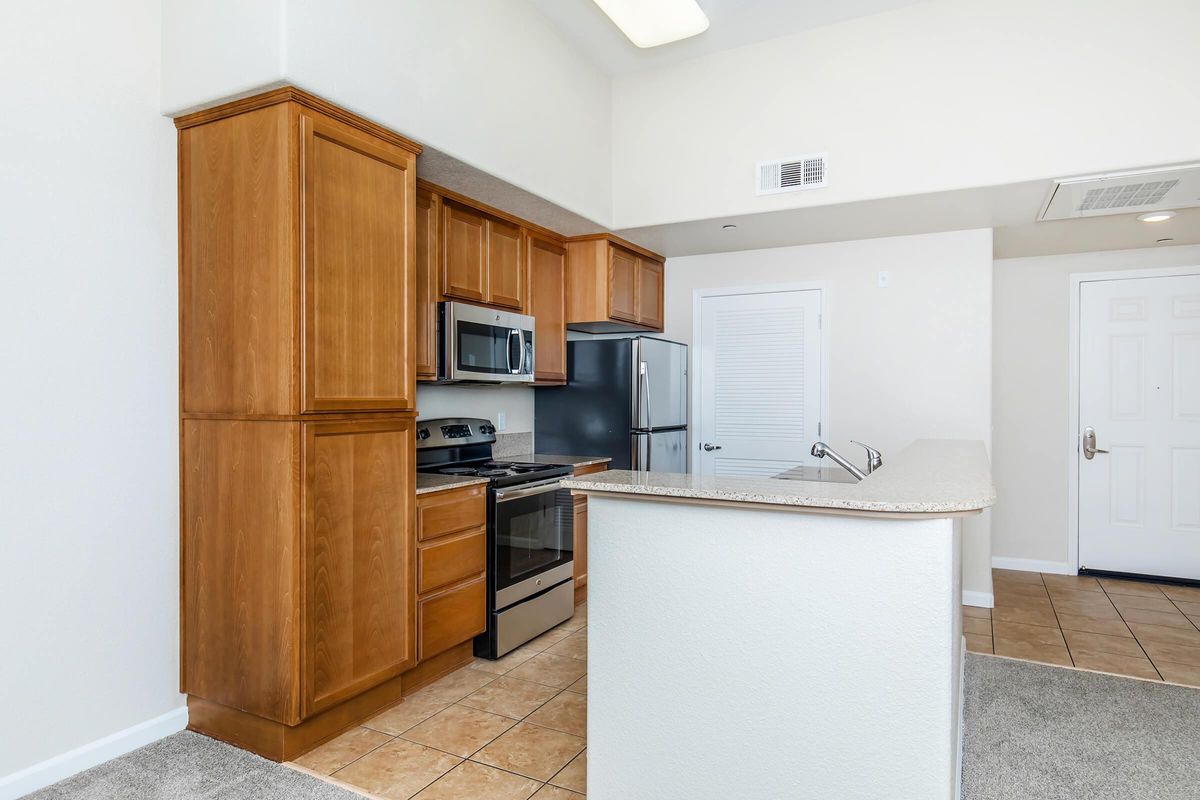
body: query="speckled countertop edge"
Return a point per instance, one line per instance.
(928, 476)
(427, 483)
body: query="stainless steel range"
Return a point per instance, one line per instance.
(530, 531)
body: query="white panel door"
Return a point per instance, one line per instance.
(760, 382)
(1139, 390)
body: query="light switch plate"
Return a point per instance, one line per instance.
(885, 279)
(501, 421)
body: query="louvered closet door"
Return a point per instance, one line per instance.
(759, 383)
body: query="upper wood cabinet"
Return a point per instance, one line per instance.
(613, 286)
(359, 269)
(464, 253)
(297, 252)
(429, 210)
(548, 305)
(506, 283)
(481, 257)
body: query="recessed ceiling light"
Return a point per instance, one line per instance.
(728, 227)
(649, 23)
(1156, 216)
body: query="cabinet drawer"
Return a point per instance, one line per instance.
(450, 512)
(590, 468)
(451, 618)
(448, 560)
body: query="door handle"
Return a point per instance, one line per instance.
(708, 448)
(1089, 443)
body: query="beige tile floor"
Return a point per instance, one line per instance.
(510, 729)
(1144, 630)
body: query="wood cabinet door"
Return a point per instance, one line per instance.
(427, 272)
(650, 293)
(622, 285)
(358, 265)
(547, 304)
(506, 282)
(464, 253)
(358, 573)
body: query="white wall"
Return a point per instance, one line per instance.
(89, 594)
(939, 95)
(465, 400)
(488, 82)
(909, 361)
(1030, 386)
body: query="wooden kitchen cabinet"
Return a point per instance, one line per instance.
(481, 257)
(464, 253)
(579, 552)
(298, 383)
(428, 217)
(613, 285)
(452, 568)
(298, 572)
(273, 324)
(548, 305)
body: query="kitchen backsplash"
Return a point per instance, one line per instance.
(512, 444)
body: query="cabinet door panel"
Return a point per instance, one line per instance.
(427, 272)
(505, 272)
(464, 257)
(358, 264)
(359, 616)
(453, 617)
(622, 285)
(547, 304)
(650, 293)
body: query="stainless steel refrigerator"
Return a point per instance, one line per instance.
(625, 398)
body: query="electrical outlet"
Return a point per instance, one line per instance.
(501, 420)
(885, 280)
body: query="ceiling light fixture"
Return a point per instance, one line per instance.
(649, 23)
(1167, 240)
(1156, 216)
(728, 227)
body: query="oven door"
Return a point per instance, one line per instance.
(483, 344)
(533, 540)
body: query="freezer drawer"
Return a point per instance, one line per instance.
(660, 451)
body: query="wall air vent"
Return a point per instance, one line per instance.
(793, 174)
(1124, 193)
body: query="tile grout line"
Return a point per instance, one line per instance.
(1125, 622)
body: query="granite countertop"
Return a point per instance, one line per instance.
(930, 476)
(543, 458)
(427, 483)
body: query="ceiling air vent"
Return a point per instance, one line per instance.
(1124, 193)
(794, 174)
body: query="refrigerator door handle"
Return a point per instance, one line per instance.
(644, 389)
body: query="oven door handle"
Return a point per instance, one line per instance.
(504, 495)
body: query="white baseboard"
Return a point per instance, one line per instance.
(64, 765)
(980, 599)
(1033, 565)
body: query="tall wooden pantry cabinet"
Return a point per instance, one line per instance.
(297, 402)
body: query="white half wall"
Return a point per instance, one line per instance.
(909, 361)
(1030, 396)
(939, 95)
(89, 595)
(488, 82)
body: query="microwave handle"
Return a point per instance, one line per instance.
(521, 341)
(508, 350)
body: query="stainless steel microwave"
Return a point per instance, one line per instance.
(484, 345)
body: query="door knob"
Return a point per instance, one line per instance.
(708, 448)
(1089, 443)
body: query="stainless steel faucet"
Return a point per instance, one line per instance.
(874, 458)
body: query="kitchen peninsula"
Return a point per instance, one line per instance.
(826, 615)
